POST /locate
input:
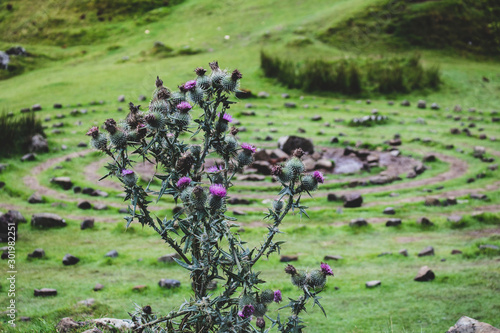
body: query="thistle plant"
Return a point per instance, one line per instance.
(201, 233)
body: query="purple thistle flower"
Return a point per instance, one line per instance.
(218, 190)
(277, 296)
(127, 172)
(184, 106)
(248, 147)
(190, 85)
(227, 117)
(215, 168)
(319, 177)
(183, 182)
(325, 269)
(247, 311)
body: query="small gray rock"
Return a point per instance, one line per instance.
(169, 283)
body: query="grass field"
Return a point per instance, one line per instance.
(117, 58)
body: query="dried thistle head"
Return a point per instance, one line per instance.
(200, 71)
(214, 66)
(298, 153)
(110, 125)
(236, 75)
(234, 131)
(159, 82)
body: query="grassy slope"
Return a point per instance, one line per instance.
(400, 305)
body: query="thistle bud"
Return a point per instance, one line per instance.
(99, 141)
(299, 279)
(260, 323)
(181, 119)
(246, 299)
(267, 296)
(278, 205)
(196, 95)
(309, 183)
(230, 83)
(217, 176)
(245, 157)
(260, 310)
(316, 279)
(202, 81)
(217, 75)
(129, 177)
(223, 123)
(198, 197)
(155, 120)
(231, 143)
(160, 106)
(295, 166)
(284, 175)
(186, 195)
(177, 97)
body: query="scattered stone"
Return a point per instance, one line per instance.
(142, 98)
(237, 212)
(385, 254)
(169, 283)
(99, 193)
(424, 274)
(405, 103)
(334, 257)
(47, 220)
(360, 222)
(82, 144)
(238, 201)
(428, 251)
(117, 324)
(36, 107)
(289, 143)
(489, 247)
(425, 221)
(84, 205)
(393, 223)
(263, 94)
(98, 287)
(421, 104)
(87, 224)
(35, 198)
(64, 182)
(456, 252)
(87, 302)
(140, 287)
(69, 260)
(37, 253)
(431, 201)
(435, 106)
(450, 201)
(121, 98)
(429, 158)
(100, 206)
(44, 292)
(332, 197)
(252, 178)
(316, 118)
(389, 211)
(285, 95)
(112, 254)
(353, 200)
(28, 157)
(285, 258)
(404, 252)
(373, 284)
(455, 219)
(411, 174)
(38, 144)
(478, 196)
(169, 258)
(469, 325)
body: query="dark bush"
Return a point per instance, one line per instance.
(16, 132)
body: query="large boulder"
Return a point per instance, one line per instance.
(47, 220)
(289, 143)
(38, 144)
(64, 182)
(469, 325)
(353, 200)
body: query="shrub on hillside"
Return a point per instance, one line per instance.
(16, 132)
(352, 76)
